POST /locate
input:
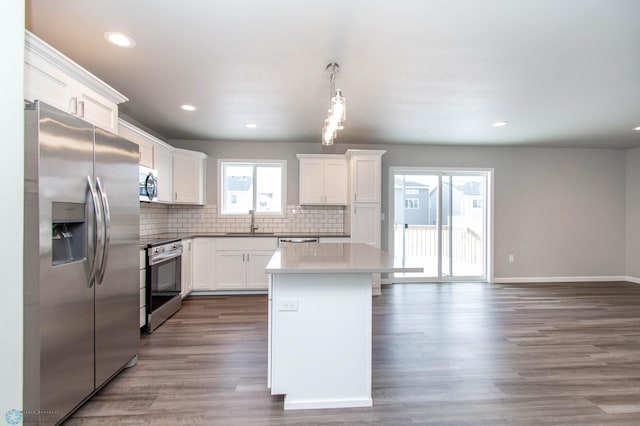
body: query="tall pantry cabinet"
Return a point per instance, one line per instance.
(365, 199)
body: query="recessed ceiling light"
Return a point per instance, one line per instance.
(250, 125)
(500, 123)
(188, 107)
(637, 129)
(119, 39)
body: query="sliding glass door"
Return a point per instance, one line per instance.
(439, 223)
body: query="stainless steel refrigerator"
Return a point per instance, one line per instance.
(81, 254)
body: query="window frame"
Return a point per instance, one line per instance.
(414, 204)
(252, 163)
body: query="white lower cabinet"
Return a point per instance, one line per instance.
(257, 261)
(143, 288)
(240, 263)
(365, 223)
(230, 266)
(187, 267)
(203, 269)
(231, 263)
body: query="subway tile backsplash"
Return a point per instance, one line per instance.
(158, 218)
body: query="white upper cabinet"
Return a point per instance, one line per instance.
(180, 172)
(162, 163)
(365, 170)
(145, 152)
(53, 78)
(153, 153)
(323, 179)
(188, 176)
(311, 183)
(145, 141)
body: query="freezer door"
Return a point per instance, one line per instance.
(117, 291)
(59, 349)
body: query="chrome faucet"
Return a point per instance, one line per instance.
(253, 227)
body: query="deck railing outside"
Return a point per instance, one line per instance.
(421, 245)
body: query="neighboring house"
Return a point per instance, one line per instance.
(462, 196)
(239, 193)
(457, 204)
(416, 203)
(412, 208)
(240, 196)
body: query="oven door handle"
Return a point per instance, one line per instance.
(164, 257)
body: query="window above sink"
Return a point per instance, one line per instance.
(258, 185)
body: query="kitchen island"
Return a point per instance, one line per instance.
(320, 323)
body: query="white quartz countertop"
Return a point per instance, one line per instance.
(332, 258)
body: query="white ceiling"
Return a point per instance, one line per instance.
(561, 72)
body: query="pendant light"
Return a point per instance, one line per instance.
(338, 109)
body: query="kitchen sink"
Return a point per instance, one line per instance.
(247, 234)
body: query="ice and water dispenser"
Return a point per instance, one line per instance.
(68, 233)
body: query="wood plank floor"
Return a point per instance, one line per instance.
(443, 354)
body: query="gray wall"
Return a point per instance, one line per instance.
(561, 212)
(255, 151)
(633, 213)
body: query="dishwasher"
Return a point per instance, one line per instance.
(287, 242)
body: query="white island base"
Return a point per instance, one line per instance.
(320, 324)
(321, 353)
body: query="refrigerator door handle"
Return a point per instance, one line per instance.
(107, 229)
(98, 229)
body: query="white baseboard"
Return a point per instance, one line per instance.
(292, 404)
(634, 280)
(558, 279)
(226, 292)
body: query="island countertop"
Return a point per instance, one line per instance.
(332, 258)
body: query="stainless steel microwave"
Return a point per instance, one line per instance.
(148, 184)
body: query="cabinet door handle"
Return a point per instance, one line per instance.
(81, 109)
(355, 197)
(175, 196)
(247, 257)
(73, 105)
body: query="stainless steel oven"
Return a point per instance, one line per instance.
(163, 282)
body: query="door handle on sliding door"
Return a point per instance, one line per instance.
(98, 229)
(107, 229)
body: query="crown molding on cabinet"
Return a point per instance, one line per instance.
(36, 46)
(132, 128)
